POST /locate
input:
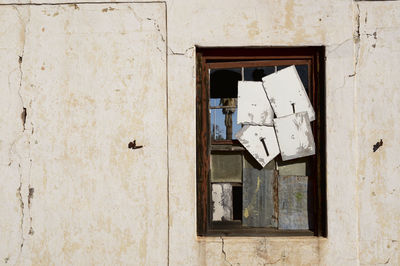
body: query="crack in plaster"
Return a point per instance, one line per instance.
(137, 17)
(356, 39)
(337, 46)
(19, 195)
(24, 20)
(188, 52)
(274, 262)
(157, 26)
(387, 261)
(223, 250)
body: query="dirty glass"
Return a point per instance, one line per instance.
(293, 167)
(258, 194)
(226, 167)
(294, 204)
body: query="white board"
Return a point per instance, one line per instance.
(294, 136)
(222, 202)
(253, 105)
(286, 93)
(260, 141)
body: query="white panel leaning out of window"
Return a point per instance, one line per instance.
(286, 97)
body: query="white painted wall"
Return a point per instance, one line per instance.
(92, 78)
(95, 76)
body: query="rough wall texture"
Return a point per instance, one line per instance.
(91, 78)
(79, 81)
(378, 98)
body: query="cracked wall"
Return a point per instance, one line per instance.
(78, 84)
(73, 192)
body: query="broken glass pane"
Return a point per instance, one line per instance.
(226, 167)
(223, 82)
(237, 201)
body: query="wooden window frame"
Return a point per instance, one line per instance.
(227, 57)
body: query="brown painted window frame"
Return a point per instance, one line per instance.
(223, 57)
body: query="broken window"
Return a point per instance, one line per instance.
(260, 141)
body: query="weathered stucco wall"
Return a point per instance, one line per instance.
(261, 23)
(377, 105)
(93, 76)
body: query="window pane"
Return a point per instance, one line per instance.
(223, 94)
(258, 195)
(294, 204)
(303, 73)
(223, 125)
(226, 167)
(294, 167)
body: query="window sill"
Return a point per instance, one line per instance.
(257, 232)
